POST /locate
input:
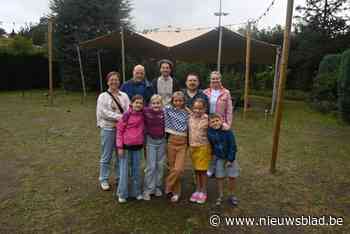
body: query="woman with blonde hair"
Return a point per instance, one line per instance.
(220, 102)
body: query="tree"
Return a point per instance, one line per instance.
(325, 16)
(321, 29)
(36, 32)
(2, 32)
(80, 20)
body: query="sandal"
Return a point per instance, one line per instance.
(233, 200)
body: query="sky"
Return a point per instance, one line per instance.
(148, 14)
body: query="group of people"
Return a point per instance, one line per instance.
(164, 124)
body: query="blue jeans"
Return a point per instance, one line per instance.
(107, 149)
(154, 165)
(135, 158)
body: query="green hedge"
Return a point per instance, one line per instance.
(324, 93)
(23, 65)
(344, 87)
(25, 71)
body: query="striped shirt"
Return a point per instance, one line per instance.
(176, 121)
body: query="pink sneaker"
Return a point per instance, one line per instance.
(194, 197)
(202, 198)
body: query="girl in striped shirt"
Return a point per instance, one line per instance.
(176, 125)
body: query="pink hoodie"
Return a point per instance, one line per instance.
(130, 129)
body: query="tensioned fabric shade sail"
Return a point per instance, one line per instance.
(187, 46)
(135, 44)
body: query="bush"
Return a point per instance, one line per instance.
(324, 92)
(344, 87)
(24, 66)
(232, 81)
(329, 64)
(264, 80)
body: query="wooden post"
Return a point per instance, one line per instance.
(100, 70)
(123, 51)
(49, 47)
(81, 74)
(281, 85)
(275, 80)
(247, 70)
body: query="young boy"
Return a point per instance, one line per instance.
(224, 148)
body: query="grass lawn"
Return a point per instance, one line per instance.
(49, 159)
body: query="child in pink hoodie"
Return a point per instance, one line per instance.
(130, 140)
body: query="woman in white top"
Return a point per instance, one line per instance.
(220, 102)
(110, 107)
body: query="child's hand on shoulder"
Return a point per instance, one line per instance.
(225, 126)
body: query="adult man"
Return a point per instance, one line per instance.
(165, 85)
(192, 91)
(138, 85)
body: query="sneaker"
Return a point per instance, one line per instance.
(105, 186)
(121, 200)
(233, 200)
(202, 198)
(210, 173)
(219, 201)
(139, 197)
(146, 197)
(174, 198)
(194, 197)
(158, 193)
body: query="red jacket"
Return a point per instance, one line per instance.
(130, 129)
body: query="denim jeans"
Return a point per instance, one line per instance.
(107, 149)
(134, 156)
(154, 165)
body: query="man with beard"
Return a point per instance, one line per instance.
(165, 85)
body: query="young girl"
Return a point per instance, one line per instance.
(130, 139)
(155, 138)
(200, 148)
(176, 121)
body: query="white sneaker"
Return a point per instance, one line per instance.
(105, 186)
(158, 193)
(146, 197)
(209, 173)
(139, 197)
(121, 200)
(174, 198)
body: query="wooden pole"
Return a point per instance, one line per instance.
(247, 70)
(100, 70)
(219, 50)
(49, 45)
(281, 85)
(275, 80)
(81, 74)
(123, 51)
